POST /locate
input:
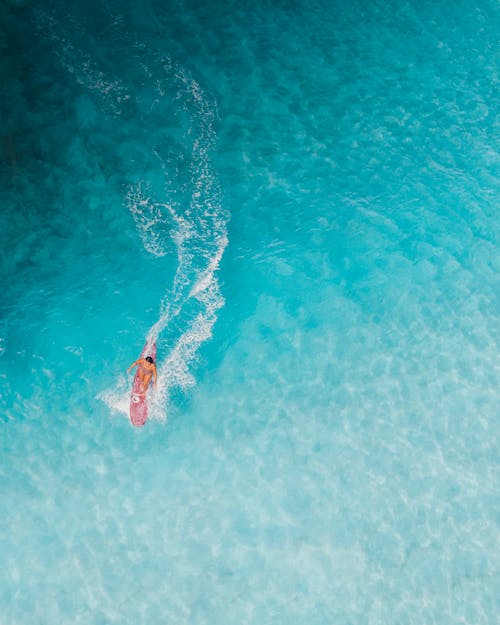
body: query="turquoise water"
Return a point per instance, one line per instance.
(299, 201)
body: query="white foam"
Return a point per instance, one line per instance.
(200, 239)
(149, 217)
(117, 398)
(79, 63)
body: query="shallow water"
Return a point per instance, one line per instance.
(300, 203)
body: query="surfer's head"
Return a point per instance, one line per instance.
(149, 359)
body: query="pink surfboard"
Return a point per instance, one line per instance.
(138, 399)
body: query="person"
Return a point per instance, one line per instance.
(146, 371)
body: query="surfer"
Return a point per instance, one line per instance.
(146, 371)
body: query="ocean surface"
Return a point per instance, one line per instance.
(299, 201)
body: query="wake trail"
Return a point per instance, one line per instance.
(177, 208)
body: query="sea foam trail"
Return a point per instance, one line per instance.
(199, 234)
(176, 213)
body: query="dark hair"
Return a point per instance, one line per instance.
(149, 359)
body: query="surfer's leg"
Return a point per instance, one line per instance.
(145, 380)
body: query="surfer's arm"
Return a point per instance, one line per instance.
(134, 364)
(155, 376)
